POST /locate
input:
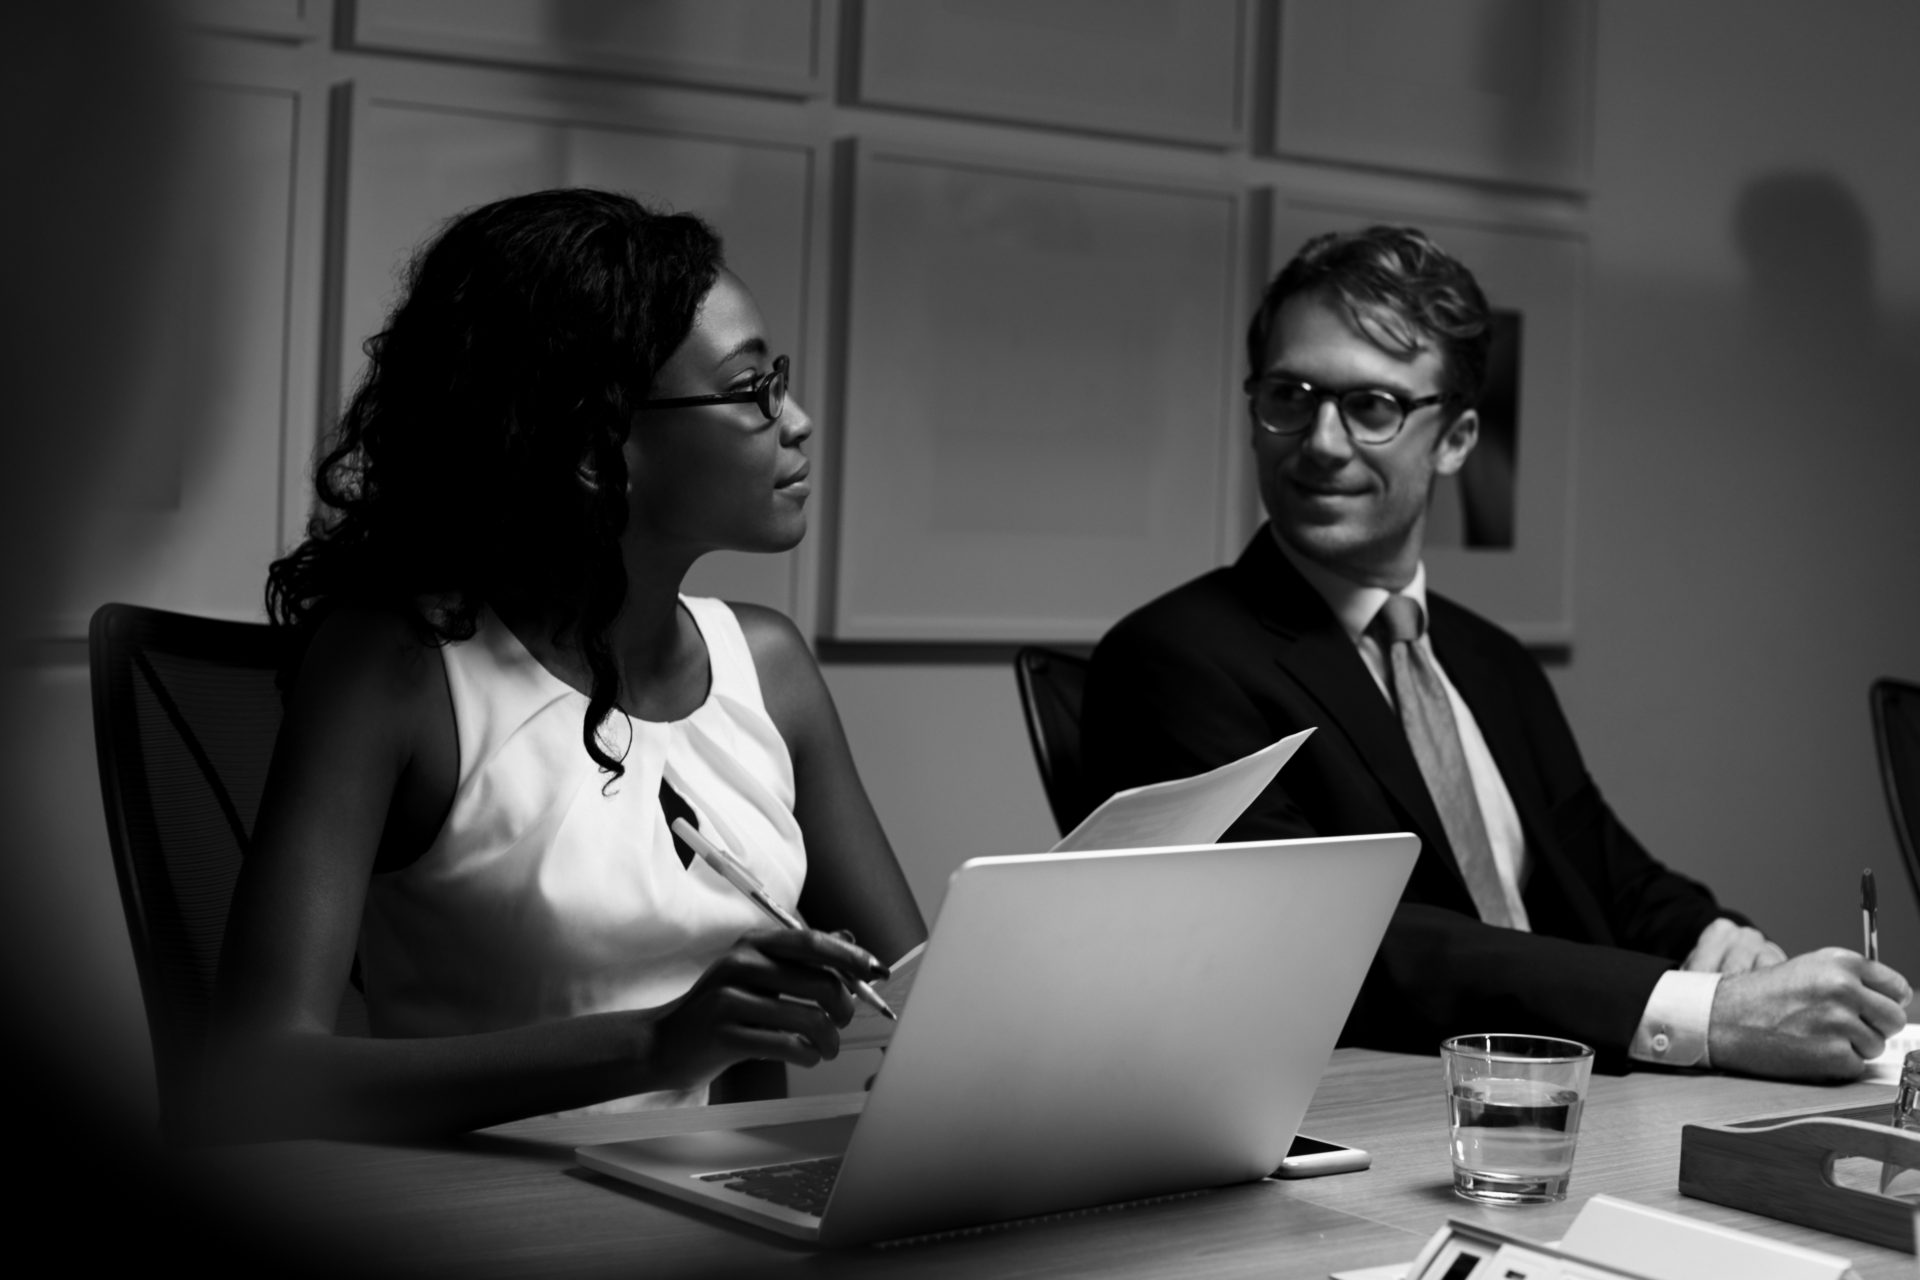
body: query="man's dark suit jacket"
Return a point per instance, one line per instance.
(1234, 660)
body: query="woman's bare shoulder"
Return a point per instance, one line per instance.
(371, 701)
(771, 635)
(370, 648)
(790, 680)
(373, 661)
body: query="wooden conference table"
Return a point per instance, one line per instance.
(509, 1201)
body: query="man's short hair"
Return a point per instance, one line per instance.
(1401, 290)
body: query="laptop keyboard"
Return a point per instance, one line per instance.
(803, 1184)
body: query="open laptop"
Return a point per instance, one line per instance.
(1085, 1028)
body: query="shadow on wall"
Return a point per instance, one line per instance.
(1747, 532)
(1834, 364)
(1808, 249)
(1825, 379)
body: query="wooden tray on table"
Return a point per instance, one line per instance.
(1781, 1166)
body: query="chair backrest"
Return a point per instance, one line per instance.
(1052, 685)
(185, 712)
(1896, 735)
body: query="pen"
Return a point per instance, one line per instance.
(736, 874)
(1869, 911)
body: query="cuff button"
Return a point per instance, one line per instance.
(1661, 1043)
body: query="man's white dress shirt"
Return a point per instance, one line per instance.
(1673, 1026)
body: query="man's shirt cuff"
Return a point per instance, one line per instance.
(1673, 1028)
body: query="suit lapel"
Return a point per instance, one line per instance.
(1489, 693)
(1315, 650)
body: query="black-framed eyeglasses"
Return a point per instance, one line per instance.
(769, 391)
(1372, 415)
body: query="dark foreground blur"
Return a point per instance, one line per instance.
(92, 125)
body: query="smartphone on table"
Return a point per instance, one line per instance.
(1312, 1157)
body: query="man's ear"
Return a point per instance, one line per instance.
(1451, 449)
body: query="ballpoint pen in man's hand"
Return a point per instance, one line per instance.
(736, 874)
(1869, 917)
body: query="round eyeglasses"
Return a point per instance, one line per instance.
(1372, 415)
(769, 391)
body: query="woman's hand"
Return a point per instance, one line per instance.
(776, 993)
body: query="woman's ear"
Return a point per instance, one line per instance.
(591, 472)
(587, 475)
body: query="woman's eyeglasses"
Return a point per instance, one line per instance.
(1372, 415)
(769, 391)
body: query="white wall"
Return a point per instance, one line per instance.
(1746, 522)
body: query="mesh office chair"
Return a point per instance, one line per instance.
(185, 713)
(1052, 685)
(1896, 734)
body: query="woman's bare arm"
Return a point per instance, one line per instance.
(363, 773)
(854, 882)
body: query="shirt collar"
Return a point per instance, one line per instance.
(1351, 602)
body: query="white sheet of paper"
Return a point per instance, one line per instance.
(1195, 810)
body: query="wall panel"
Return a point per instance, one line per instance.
(1491, 90)
(1169, 69)
(416, 163)
(1038, 397)
(197, 510)
(295, 19)
(757, 45)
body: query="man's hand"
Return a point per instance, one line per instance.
(1818, 1016)
(1725, 947)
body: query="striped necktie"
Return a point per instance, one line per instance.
(1427, 717)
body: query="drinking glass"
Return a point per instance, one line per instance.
(1513, 1112)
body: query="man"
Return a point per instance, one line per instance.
(1530, 908)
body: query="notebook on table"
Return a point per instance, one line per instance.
(1086, 1028)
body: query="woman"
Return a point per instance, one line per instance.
(502, 698)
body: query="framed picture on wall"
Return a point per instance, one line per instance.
(1040, 423)
(1498, 534)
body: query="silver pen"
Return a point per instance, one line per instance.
(1869, 916)
(736, 874)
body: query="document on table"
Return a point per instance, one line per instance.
(1195, 810)
(1885, 1069)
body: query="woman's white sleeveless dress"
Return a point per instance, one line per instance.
(550, 893)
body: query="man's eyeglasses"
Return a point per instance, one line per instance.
(769, 391)
(1373, 415)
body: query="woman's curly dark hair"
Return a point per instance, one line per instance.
(481, 452)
